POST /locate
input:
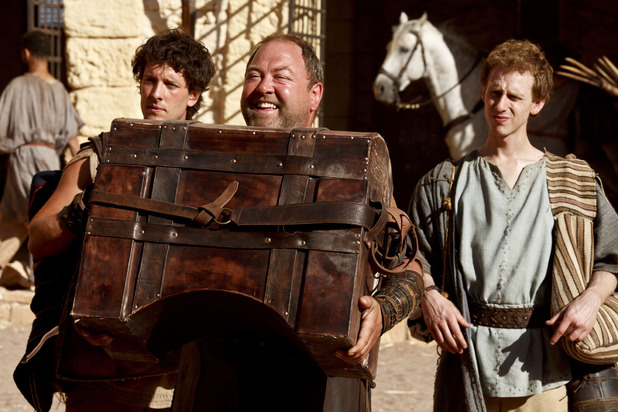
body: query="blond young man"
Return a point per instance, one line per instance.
(492, 252)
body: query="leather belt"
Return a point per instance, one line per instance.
(40, 144)
(508, 318)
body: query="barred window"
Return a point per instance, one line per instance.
(308, 20)
(46, 16)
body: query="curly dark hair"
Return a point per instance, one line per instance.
(37, 42)
(522, 56)
(182, 53)
(312, 62)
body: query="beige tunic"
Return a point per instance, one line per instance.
(37, 120)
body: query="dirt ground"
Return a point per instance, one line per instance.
(405, 377)
(404, 381)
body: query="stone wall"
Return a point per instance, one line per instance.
(101, 38)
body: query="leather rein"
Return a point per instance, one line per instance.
(414, 104)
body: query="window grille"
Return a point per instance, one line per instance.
(46, 16)
(308, 20)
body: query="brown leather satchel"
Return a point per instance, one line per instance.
(595, 391)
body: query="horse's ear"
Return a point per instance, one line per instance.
(423, 18)
(403, 18)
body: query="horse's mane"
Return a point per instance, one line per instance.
(453, 37)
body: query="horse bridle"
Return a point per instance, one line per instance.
(413, 105)
(397, 79)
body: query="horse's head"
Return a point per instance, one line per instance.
(404, 62)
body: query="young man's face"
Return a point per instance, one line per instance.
(509, 102)
(276, 91)
(164, 93)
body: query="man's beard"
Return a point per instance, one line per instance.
(283, 119)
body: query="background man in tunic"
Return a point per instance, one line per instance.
(496, 259)
(37, 123)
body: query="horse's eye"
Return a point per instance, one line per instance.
(404, 50)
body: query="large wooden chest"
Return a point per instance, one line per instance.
(156, 281)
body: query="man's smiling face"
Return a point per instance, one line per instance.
(276, 91)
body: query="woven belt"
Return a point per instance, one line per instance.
(508, 318)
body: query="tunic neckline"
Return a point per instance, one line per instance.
(498, 173)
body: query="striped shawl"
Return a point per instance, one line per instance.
(572, 195)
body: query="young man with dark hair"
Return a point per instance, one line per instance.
(177, 51)
(173, 70)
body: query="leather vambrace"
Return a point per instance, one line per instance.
(399, 296)
(72, 215)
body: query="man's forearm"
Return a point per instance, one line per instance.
(48, 237)
(603, 283)
(399, 296)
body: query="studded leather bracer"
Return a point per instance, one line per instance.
(400, 295)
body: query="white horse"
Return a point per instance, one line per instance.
(451, 68)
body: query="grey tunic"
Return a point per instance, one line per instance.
(37, 120)
(505, 244)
